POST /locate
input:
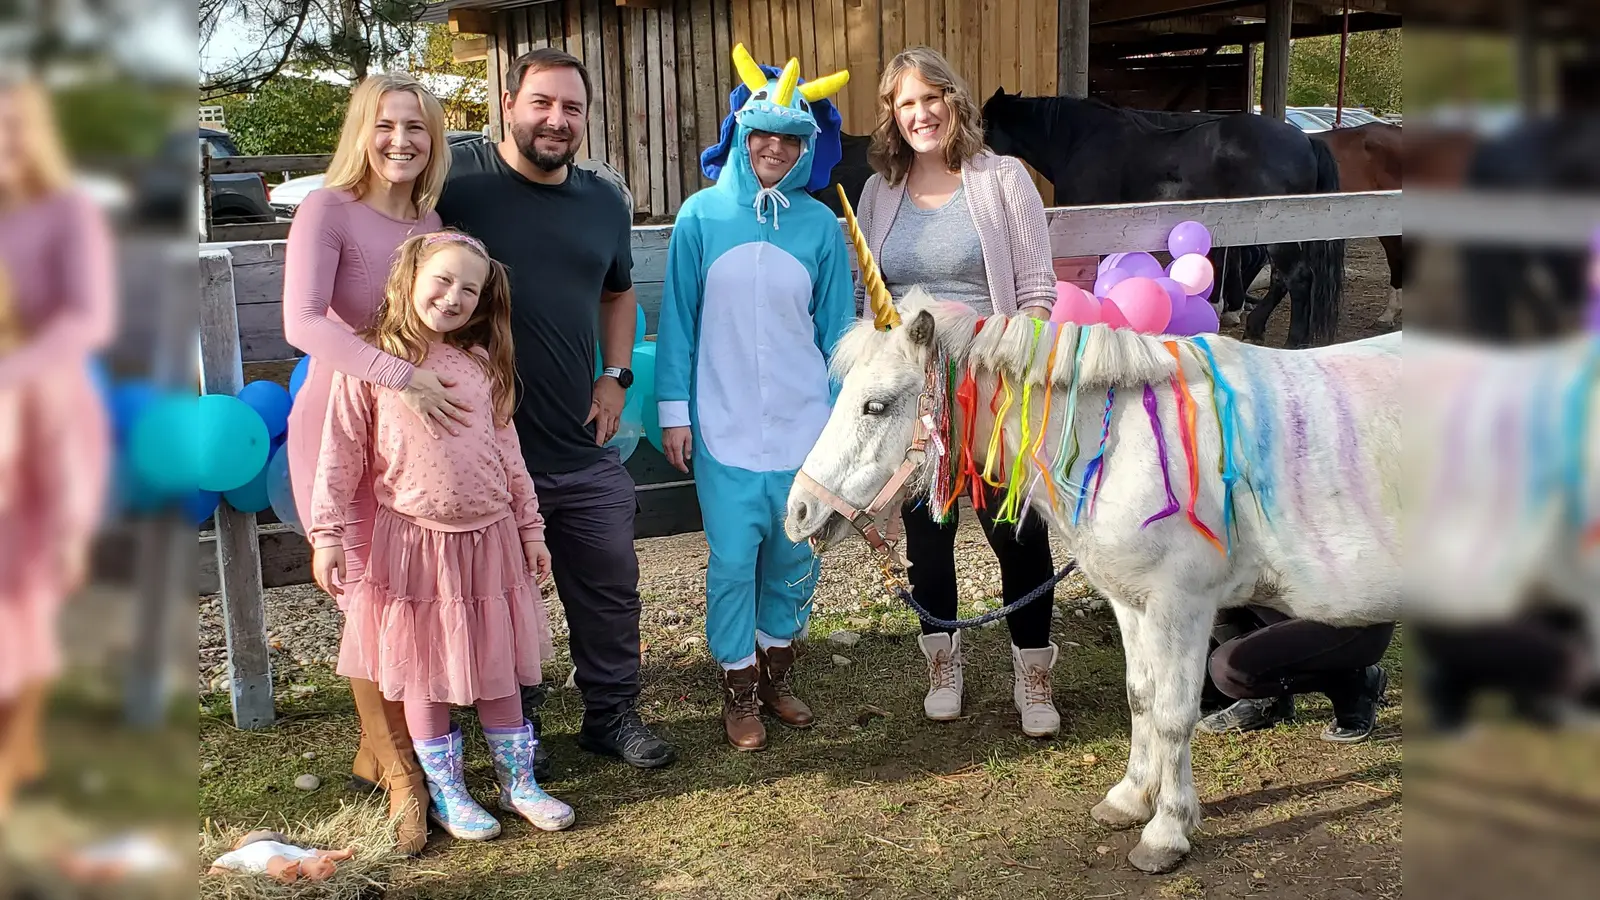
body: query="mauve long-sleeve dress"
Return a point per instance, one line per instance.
(57, 255)
(337, 262)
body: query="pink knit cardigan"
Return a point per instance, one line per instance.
(1009, 217)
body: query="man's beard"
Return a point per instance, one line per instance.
(526, 135)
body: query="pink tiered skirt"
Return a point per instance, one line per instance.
(451, 617)
(54, 461)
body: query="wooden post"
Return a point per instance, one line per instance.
(238, 554)
(1250, 94)
(1072, 62)
(1275, 64)
(1527, 61)
(165, 565)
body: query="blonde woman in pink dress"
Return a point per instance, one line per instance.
(381, 187)
(58, 307)
(447, 612)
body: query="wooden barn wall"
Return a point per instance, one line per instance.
(662, 75)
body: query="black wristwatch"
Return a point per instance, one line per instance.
(624, 377)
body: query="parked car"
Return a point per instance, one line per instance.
(1352, 116)
(1305, 121)
(237, 198)
(287, 197)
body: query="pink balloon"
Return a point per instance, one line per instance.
(1193, 271)
(1111, 315)
(1143, 303)
(1073, 305)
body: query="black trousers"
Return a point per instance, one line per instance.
(589, 527)
(1535, 657)
(1280, 655)
(1024, 565)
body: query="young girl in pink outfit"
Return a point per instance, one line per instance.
(447, 611)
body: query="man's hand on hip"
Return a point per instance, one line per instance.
(605, 410)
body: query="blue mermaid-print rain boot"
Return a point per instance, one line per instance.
(519, 789)
(450, 803)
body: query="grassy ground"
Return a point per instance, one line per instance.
(874, 801)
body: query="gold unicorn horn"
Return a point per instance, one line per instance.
(884, 315)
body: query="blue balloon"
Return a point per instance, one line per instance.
(644, 383)
(298, 377)
(199, 506)
(230, 443)
(126, 402)
(251, 497)
(280, 492)
(101, 379)
(271, 403)
(639, 324)
(162, 450)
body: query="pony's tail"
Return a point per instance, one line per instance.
(1325, 259)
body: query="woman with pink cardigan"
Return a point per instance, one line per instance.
(945, 213)
(381, 187)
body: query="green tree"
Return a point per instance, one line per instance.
(462, 88)
(1374, 71)
(289, 114)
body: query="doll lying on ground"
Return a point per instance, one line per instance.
(270, 853)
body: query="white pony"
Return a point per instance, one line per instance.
(1185, 475)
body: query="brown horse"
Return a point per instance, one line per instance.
(1370, 158)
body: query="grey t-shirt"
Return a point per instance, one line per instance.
(939, 250)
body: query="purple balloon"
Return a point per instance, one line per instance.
(1196, 316)
(1206, 294)
(1188, 237)
(1110, 279)
(1175, 291)
(1142, 265)
(1110, 262)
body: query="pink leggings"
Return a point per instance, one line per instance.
(427, 720)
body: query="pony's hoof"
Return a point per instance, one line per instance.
(1155, 860)
(1232, 319)
(1115, 817)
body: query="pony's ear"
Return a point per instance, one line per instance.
(999, 92)
(921, 329)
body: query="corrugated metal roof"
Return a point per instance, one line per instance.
(440, 11)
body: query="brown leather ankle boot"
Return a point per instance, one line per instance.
(383, 726)
(777, 688)
(741, 710)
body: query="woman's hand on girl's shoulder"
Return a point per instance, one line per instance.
(429, 396)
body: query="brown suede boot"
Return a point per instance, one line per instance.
(777, 687)
(741, 710)
(383, 727)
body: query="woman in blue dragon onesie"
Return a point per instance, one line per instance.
(758, 290)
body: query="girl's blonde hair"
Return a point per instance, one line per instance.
(399, 333)
(45, 166)
(889, 154)
(350, 168)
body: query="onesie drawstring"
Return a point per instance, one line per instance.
(777, 198)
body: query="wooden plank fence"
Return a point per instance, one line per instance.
(241, 323)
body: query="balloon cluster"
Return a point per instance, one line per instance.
(177, 450)
(639, 416)
(1133, 290)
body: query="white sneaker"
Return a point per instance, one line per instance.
(1032, 693)
(943, 651)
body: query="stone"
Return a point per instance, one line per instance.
(1055, 612)
(309, 754)
(1080, 613)
(840, 660)
(307, 782)
(992, 623)
(844, 638)
(302, 689)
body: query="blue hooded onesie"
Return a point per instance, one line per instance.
(758, 291)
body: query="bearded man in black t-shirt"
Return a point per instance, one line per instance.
(564, 232)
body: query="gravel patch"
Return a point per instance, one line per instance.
(303, 623)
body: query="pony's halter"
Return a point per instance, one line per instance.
(879, 521)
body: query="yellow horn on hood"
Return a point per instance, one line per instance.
(787, 81)
(749, 72)
(826, 86)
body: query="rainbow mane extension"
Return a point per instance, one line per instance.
(1097, 463)
(1228, 413)
(1008, 508)
(1067, 458)
(1190, 436)
(1150, 407)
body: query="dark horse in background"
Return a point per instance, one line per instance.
(1095, 153)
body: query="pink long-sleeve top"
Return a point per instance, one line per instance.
(338, 259)
(58, 254)
(456, 482)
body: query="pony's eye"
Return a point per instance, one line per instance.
(874, 408)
